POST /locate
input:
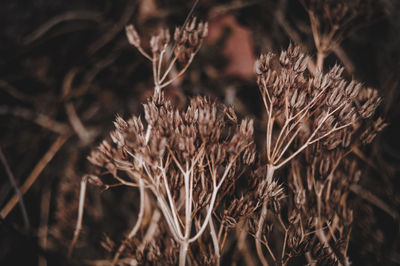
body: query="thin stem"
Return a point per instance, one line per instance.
(16, 189)
(279, 142)
(180, 73)
(150, 230)
(270, 125)
(78, 226)
(171, 65)
(154, 65)
(174, 228)
(320, 60)
(136, 226)
(188, 215)
(287, 145)
(331, 131)
(214, 240)
(261, 221)
(259, 233)
(284, 244)
(33, 176)
(212, 201)
(160, 64)
(144, 53)
(305, 145)
(171, 202)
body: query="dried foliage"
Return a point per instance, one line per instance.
(190, 161)
(190, 179)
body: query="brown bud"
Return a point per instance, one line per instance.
(132, 35)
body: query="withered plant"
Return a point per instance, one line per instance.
(318, 116)
(332, 20)
(187, 163)
(189, 160)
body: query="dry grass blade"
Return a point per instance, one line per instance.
(17, 191)
(30, 180)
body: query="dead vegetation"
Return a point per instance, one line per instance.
(201, 168)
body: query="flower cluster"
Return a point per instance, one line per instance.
(190, 160)
(313, 123)
(199, 175)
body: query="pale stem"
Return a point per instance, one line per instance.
(171, 202)
(171, 65)
(78, 227)
(188, 221)
(305, 145)
(183, 252)
(270, 125)
(136, 226)
(188, 215)
(150, 230)
(320, 60)
(261, 221)
(212, 202)
(154, 65)
(317, 41)
(144, 53)
(159, 65)
(266, 94)
(148, 132)
(179, 74)
(214, 240)
(303, 114)
(287, 145)
(174, 227)
(259, 232)
(284, 244)
(278, 145)
(331, 131)
(322, 238)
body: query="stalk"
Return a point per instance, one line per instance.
(261, 221)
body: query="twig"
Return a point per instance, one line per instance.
(72, 15)
(151, 230)
(40, 119)
(344, 58)
(44, 219)
(14, 92)
(73, 118)
(116, 28)
(135, 228)
(37, 170)
(77, 124)
(371, 198)
(215, 241)
(81, 207)
(17, 191)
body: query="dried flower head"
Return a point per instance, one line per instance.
(189, 160)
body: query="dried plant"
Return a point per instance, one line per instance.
(187, 42)
(319, 116)
(284, 176)
(187, 163)
(189, 160)
(332, 20)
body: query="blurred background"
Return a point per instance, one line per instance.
(66, 70)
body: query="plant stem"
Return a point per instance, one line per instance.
(215, 240)
(183, 252)
(261, 221)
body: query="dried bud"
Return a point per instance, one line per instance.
(95, 180)
(370, 133)
(133, 36)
